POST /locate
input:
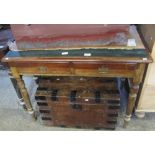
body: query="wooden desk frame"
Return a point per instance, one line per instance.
(124, 67)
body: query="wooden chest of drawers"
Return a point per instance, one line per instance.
(78, 102)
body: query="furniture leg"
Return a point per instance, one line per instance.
(23, 91)
(134, 88)
(19, 95)
(131, 101)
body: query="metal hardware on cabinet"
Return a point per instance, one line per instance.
(103, 69)
(72, 70)
(43, 69)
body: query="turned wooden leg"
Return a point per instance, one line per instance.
(131, 101)
(134, 88)
(19, 95)
(23, 91)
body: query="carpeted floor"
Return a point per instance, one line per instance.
(13, 117)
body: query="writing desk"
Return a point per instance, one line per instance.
(111, 61)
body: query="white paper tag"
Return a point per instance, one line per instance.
(87, 54)
(144, 59)
(1, 46)
(131, 42)
(64, 53)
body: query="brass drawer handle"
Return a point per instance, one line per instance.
(103, 69)
(43, 69)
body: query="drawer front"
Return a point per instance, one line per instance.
(104, 69)
(52, 68)
(79, 69)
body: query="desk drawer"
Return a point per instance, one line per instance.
(78, 68)
(52, 68)
(104, 69)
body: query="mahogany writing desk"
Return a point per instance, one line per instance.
(121, 61)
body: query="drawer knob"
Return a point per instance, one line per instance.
(43, 69)
(103, 69)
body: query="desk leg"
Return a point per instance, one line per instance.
(19, 95)
(23, 91)
(134, 88)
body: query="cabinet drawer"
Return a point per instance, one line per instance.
(52, 68)
(100, 69)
